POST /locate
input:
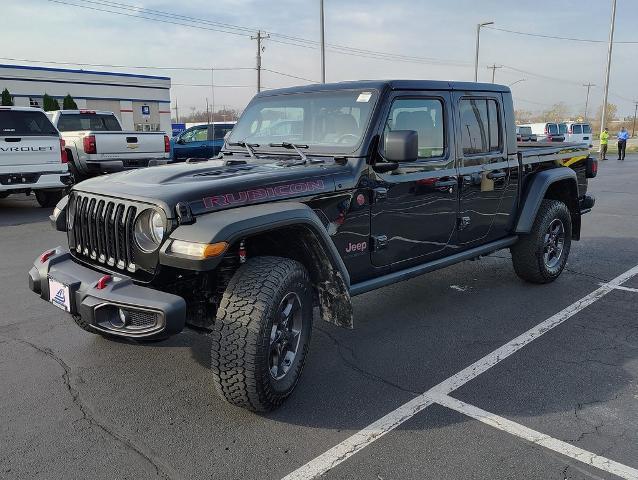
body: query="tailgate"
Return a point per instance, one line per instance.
(127, 144)
(29, 150)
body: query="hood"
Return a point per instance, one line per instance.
(215, 185)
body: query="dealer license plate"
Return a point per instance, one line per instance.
(59, 295)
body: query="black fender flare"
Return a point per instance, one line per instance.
(535, 193)
(234, 224)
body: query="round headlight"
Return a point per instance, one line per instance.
(149, 230)
(156, 226)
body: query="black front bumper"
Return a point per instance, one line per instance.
(121, 308)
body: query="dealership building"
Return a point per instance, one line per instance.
(141, 102)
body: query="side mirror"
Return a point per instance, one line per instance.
(180, 141)
(401, 146)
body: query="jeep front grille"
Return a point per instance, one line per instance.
(102, 230)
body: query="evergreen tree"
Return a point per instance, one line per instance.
(7, 101)
(49, 103)
(68, 103)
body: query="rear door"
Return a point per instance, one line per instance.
(414, 207)
(28, 138)
(484, 169)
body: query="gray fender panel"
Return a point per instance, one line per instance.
(535, 192)
(233, 224)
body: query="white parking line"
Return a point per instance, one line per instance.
(537, 438)
(625, 289)
(355, 443)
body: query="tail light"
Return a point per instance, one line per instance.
(89, 144)
(63, 155)
(591, 168)
(167, 144)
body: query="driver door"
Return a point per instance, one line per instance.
(192, 144)
(414, 207)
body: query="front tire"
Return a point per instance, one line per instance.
(541, 255)
(261, 335)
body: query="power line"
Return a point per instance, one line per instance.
(202, 24)
(288, 75)
(556, 37)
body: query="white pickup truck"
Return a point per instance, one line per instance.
(32, 156)
(96, 143)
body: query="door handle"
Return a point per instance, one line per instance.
(379, 193)
(496, 175)
(445, 183)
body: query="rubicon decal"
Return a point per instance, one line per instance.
(266, 193)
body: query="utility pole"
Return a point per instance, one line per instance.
(588, 85)
(260, 36)
(478, 42)
(493, 68)
(323, 43)
(212, 93)
(603, 122)
(176, 112)
(633, 130)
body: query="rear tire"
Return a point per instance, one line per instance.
(541, 255)
(48, 198)
(261, 334)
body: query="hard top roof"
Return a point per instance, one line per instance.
(390, 84)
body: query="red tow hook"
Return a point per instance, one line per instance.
(46, 255)
(101, 283)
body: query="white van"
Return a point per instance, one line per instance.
(546, 132)
(579, 132)
(32, 155)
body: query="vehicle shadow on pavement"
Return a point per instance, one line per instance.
(21, 209)
(413, 335)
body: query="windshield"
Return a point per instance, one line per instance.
(525, 130)
(328, 122)
(552, 128)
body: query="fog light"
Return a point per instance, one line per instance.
(121, 319)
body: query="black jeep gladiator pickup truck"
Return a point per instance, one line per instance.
(321, 192)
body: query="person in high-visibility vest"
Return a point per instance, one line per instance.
(604, 140)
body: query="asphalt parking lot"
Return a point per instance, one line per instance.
(482, 375)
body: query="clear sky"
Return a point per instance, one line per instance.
(443, 31)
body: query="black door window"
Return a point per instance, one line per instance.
(423, 115)
(480, 126)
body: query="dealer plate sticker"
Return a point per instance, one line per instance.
(59, 295)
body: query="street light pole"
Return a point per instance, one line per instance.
(517, 81)
(633, 130)
(323, 43)
(603, 122)
(478, 43)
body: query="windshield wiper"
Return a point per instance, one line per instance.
(248, 146)
(292, 146)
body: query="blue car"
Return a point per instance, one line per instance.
(201, 141)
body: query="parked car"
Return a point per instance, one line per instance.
(546, 132)
(32, 156)
(524, 134)
(96, 143)
(579, 132)
(200, 141)
(389, 180)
